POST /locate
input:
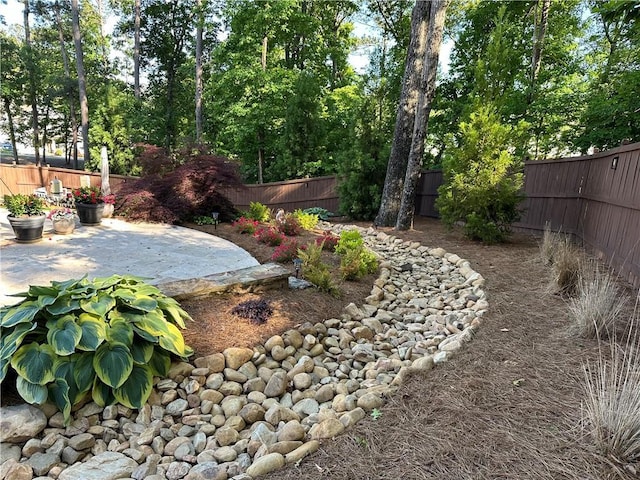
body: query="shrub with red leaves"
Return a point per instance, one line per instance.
(194, 188)
(269, 236)
(245, 225)
(287, 251)
(328, 241)
(289, 225)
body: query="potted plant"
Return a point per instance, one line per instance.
(90, 202)
(26, 216)
(63, 220)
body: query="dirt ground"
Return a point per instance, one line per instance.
(506, 407)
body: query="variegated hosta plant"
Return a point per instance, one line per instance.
(105, 338)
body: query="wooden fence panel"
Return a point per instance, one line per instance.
(291, 195)
(583, 196)
(26, 178)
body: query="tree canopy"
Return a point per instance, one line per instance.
(279, 93)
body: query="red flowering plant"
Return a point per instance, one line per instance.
(245, 225)
(287, 251)
(269, 236)
(91, 195)
(328, 241)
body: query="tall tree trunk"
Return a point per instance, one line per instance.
(405, 116)
(82, 83)
(427, 90)
(136, 50)
(200, 21)
(12, 130)
(32, 84)
(261, 135)
(540, 30)
(67, 74)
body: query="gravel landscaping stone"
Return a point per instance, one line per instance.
(245, 412)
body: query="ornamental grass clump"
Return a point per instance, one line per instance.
(102, 339)
(611, 406)
(598, 305)
(566, 268)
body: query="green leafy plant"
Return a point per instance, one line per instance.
(483, 179)
(322, 213)
(316, 271)
(105, 338)
(308, 221)
(20, 205)
(203, 220)
(356, 259)
(376, 414)
(257, 211)
(349, 240)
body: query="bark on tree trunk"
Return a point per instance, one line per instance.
(198, 99)
(32, 84)
(429, 71)
(82, 84)
(405, 116)
(261, 136)
(540, 30)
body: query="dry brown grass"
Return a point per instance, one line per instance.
(596, 310)
(566, 267)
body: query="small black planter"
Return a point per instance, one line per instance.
(27, 229)
(90, 213)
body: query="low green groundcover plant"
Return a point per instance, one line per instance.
(105, 338)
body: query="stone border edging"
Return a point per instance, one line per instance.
(246, 412)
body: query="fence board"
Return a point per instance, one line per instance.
(583, 196)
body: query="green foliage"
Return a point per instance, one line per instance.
(349, 240)
(203, 220)
(356, 260)
(307, 221)
(24, 205)
(316, 271)
(103, 338)
(482, 179)
(322, 213)
(257, 211)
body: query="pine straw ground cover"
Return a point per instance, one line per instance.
(508, 406)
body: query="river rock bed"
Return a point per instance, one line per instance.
(245, 412)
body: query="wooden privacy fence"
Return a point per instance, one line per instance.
(290, 195)
(26, 178)
(596, 198)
